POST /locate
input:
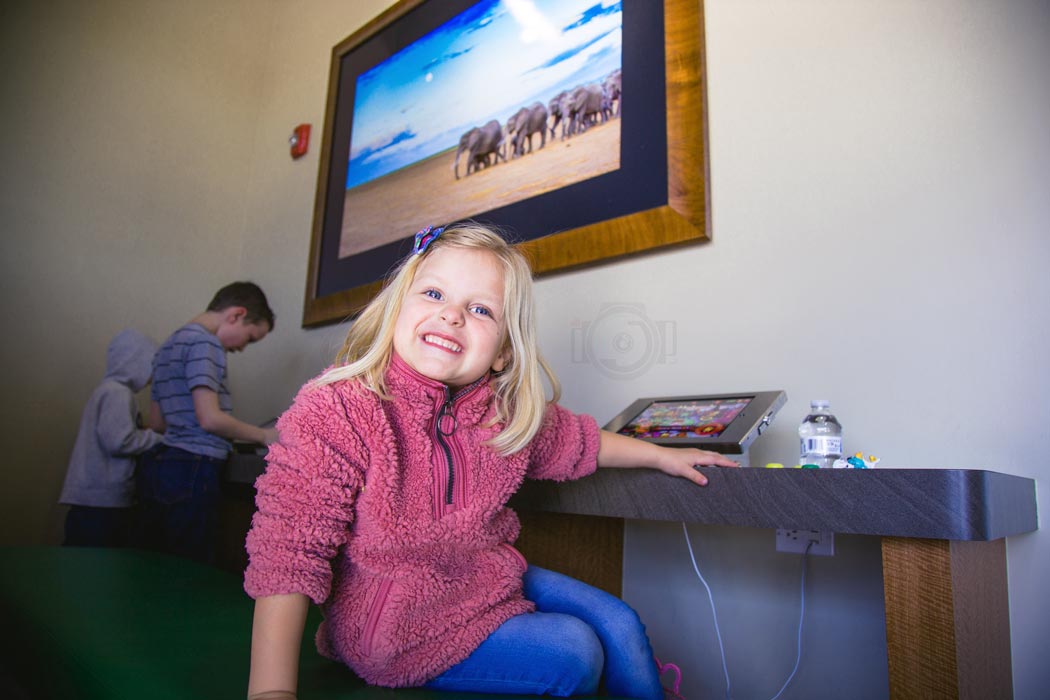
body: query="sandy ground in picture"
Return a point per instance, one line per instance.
(397, 205)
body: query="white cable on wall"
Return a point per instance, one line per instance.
(718, 632)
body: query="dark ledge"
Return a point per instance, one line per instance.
(951, 504)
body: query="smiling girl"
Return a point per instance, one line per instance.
(385, 500)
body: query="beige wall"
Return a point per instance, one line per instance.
(887, 159)
(130, 134)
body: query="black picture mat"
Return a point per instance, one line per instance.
(638, 185)
(735, 439)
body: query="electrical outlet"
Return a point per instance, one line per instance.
(796, 541)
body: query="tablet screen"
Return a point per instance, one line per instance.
(680, 419)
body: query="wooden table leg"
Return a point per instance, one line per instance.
(947, 619)
(587, 547)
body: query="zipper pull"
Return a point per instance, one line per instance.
(446, 412)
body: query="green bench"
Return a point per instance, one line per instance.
(108, 624)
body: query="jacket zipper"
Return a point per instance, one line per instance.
(440, 433)
(445, 426)
(378, 603)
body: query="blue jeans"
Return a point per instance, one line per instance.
(561, 648)
(178, 508)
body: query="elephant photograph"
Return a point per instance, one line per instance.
(526, 122)
(483, 146)
(508, 100)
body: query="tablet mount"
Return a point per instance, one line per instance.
(726, 423)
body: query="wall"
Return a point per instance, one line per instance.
(880, 225)
(880, 220)
(128, 147)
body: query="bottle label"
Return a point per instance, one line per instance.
(822, 445)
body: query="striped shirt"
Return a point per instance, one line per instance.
(192, 357)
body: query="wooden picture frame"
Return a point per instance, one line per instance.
(575, 226)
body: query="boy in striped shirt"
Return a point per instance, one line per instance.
(178, 483)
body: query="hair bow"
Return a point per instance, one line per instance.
(424, 238)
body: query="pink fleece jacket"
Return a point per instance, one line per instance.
(394, 518)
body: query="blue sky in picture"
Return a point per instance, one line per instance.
(485, 63)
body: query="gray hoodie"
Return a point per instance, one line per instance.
(102, 467)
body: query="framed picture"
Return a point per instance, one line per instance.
(577, 126)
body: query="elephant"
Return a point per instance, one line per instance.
(554, 107)
(526, 122)
(479, 143)
(612, 89)
(584, 106)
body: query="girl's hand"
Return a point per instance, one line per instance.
(682, 462)
(622, 451)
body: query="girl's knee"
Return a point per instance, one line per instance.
(623, 621)
(580, 655)
(584, 642)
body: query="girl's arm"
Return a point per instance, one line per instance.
(277, 634)
(620, 451)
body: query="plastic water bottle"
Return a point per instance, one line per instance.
(820, 436)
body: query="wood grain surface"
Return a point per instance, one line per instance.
(947, 619)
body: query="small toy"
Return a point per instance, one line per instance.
(857, 461)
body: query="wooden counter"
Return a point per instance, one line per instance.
(943, 547)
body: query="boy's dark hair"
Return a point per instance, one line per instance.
(248, 295)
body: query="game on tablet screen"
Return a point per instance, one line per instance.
(707, 418)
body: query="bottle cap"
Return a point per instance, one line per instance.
(774, 465)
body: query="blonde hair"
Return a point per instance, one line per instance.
(520, 398)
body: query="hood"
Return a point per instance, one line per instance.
(129, 359)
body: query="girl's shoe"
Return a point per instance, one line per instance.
(671, 692)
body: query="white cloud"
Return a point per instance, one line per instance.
(534, 26)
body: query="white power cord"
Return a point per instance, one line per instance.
(714, 615)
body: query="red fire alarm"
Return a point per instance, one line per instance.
(300, 140)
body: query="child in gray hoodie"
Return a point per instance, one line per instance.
(100, 480)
